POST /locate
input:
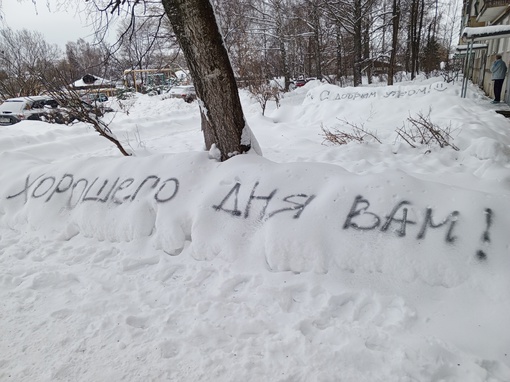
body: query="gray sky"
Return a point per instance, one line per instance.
(58, 26)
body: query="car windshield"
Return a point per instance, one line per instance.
(12, 106)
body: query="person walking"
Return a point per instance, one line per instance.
(498, 70)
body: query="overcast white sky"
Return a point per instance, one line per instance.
(58, 26)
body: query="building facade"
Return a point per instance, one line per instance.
(483, 13)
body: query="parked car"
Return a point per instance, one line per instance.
(299, 82)
(186, 92)
(6, 120)
(14, 110)
(45, 108)
(99, 107)
(74, 109)
(94, 97)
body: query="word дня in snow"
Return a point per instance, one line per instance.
(297, 202)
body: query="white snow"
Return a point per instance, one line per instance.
(362, 262)
(486, 33)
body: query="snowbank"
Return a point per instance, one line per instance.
(362, 262)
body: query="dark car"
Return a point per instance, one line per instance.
(300, 83)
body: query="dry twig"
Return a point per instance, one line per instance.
(421, 130)
(340, 137)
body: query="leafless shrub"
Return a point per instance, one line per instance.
(420, 130)
(68, 106)
(451, 70)
(263, 93)
(339, 137)
(137, 138)
(75, 109)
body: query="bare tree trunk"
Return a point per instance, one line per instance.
(285, 66)
(358, 48)
(418, 41)
(394, 42)
(367, 60)
(413, 37)
(281, 43)
(198, 34)
(416, 26)
(316, 22)
(338, 56)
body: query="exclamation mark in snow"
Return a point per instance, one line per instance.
(486, 239)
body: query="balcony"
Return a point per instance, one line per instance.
(489, 10)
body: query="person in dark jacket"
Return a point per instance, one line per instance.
(498, 70)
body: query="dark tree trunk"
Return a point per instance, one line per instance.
(367, 60)
(408, 49)
(280, 34)
(417, 10)
(418, 40)
(317, 37)
(223, 123)
(285, 66)
(358, 48)
(394, 41)
(414, 37)
(338, 55)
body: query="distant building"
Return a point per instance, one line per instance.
(477, 15)
(89, 83)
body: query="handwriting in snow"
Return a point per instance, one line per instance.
(260, 205)
(80, 190)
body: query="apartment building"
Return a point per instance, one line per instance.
(489, 42)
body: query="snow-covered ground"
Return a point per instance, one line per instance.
(371, 261)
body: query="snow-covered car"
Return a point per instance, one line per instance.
(47, 109)
(186, 92)
(14, 110)
(6, 120)
(74, 109)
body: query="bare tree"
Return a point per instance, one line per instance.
(197, 32)
(21, 52)
(353, 16)
(270, 21)
(223, 122)
(142, 48)
(415, 28)
(85, 57)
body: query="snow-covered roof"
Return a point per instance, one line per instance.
(461, 48)
(88, 81)
(486, 33)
